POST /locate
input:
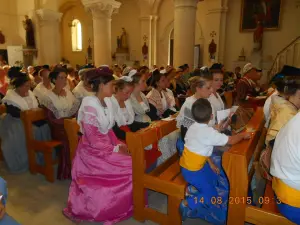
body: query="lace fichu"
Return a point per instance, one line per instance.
(93, 113)
(23, 103)
(185, 117)
(61, 106)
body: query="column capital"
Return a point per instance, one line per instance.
(48, 15)
(186, 3)
(101, 8)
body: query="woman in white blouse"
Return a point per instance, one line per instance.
(215, 99)
(60, 104)
(13, 141)
(123, 111)
(145, 113)
(45, 86)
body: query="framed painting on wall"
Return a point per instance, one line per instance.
(266, 11)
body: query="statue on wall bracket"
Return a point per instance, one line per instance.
(258, 36)
(145, 49)
(122, 42)
(212, 48)
(28, 26)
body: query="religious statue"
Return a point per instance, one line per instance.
(28, 26)
(145, 51)
(124, 43)
(119, 44)
(212, 49)
(258, 36)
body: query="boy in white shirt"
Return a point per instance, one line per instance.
(200, 140)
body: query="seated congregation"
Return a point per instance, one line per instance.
(161, 130)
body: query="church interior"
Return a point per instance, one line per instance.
(149, 112)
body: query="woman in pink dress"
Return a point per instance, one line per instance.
(101, 188)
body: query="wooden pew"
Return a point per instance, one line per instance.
(229, 98)
(235, 163)
(72, 129)
(33, 146)
(2, 111)
(165, 179)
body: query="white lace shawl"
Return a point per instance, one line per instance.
(92, 112)
(139, 110)
(185, 117)
(61, 106)
(23, 103)
(118, 113)
(171, 96)
(80, 92)
(40, 90)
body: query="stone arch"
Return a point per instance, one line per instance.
(156, 5)
(68, 5)
(164, 41)
(73, 9)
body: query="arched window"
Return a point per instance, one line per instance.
(76, 36)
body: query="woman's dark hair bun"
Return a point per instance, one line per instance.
(14, 72)
(17, 78)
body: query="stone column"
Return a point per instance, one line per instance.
(184, 31)
(102, 11)
(49, 51)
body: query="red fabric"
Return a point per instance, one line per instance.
(152, 155)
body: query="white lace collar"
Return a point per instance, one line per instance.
(118, 113)
(61, 106)
(93, 113)
(80, 92)
(13, 98)
(183, 119)
(41, 90)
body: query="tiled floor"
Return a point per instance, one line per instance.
(34, 201)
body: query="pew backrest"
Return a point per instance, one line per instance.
(72, 128)
(30, 116)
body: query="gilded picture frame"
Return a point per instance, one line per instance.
(267, 11)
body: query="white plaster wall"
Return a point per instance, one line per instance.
(10, 23)
(129, 18)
